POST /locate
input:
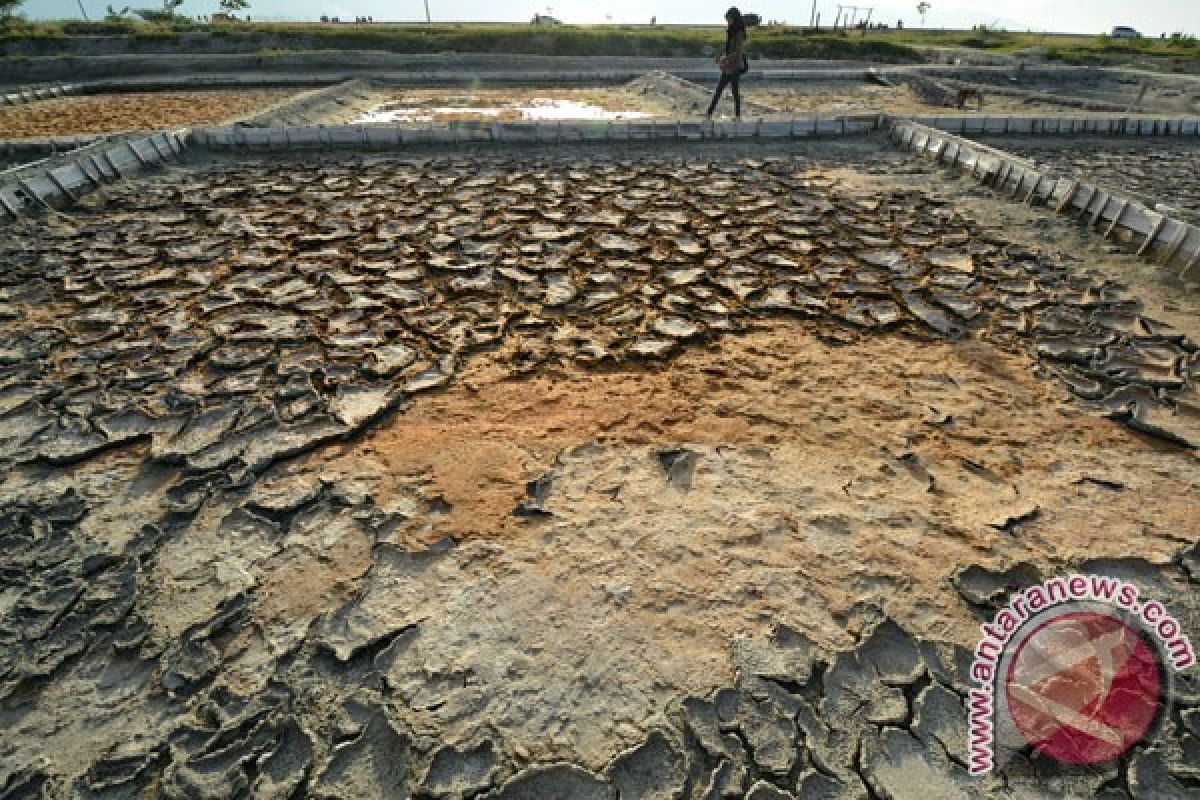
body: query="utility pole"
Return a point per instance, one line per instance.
(812, 19)
(82, 10)
(852, 15)
(428, 19)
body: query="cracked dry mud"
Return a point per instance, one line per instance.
(1161, 172)
(663, 92)
(845, 97)
(132, 111)
(680, 475)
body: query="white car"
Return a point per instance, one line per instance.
(1124, 32)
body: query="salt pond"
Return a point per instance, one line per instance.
(536, 109)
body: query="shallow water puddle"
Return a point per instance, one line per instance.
(537, 109)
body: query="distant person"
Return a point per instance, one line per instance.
(732, 62)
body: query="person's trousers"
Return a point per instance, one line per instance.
(731, 81)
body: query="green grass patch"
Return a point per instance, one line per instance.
(637, 41)
(633, 40)
(576, 41)
(76, 27)
(1055, 46)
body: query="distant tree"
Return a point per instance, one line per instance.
(923, 9)
(231, 6)
(9, 7)
(165, 14)
(112, 15)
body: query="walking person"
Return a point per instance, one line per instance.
(732, 61)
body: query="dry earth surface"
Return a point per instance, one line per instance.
(826, 485)
(640, 472)
(845, 97)
(134, 111)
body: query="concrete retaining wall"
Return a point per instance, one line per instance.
(348, 63)
(978, 125)
(23, 189)
(1171, 241)
(131, 72)
(24, 150)
(487, 67)
(31, 94)
(392, 136)
(351, 97)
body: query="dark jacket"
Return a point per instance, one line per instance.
(734, 62)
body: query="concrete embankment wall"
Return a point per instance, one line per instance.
(342, 64)
(131, 71)
(69, 66)
(204, 42)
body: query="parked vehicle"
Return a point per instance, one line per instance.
(1125, 32)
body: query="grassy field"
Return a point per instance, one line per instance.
(1055, 46)
(564, 40)
(612, 40)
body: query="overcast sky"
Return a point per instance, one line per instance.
(1151, 17)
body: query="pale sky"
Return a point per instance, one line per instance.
(1151, 17)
